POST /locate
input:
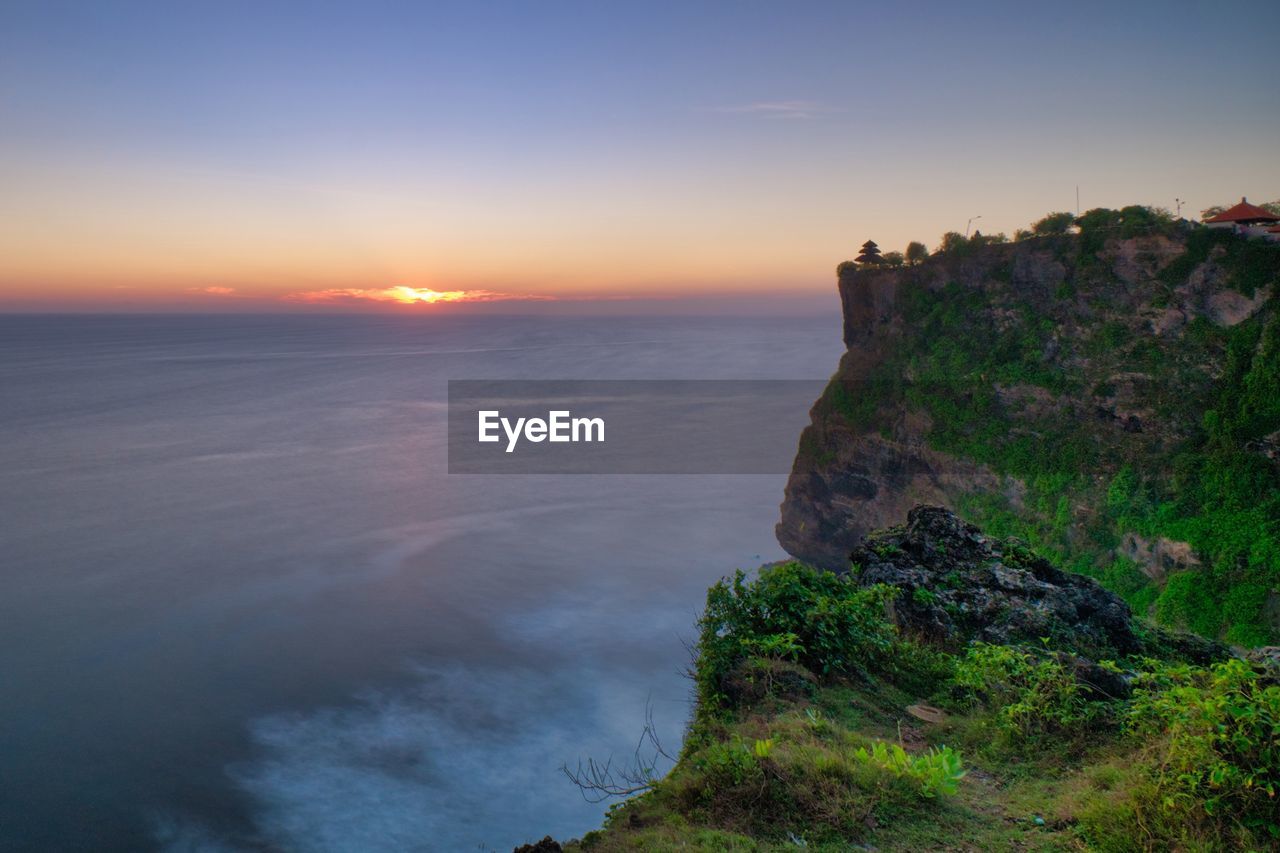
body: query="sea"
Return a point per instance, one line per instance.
(244, 606)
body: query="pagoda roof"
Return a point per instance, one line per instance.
(1244, 212)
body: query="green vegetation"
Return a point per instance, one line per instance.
(1037, 386)
(1095, 227)
(1053, 223)
(1215, 738)
(803, 738)
(1031, 698)
(824, 622)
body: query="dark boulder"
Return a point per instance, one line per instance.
(959, 585)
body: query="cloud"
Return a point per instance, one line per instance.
(407, 295)
(781, 109)
(213, 291)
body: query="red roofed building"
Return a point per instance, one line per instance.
(1242, 214)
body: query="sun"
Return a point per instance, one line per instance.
(409, 295)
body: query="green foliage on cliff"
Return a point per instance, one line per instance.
(1110, 426)
(823, 621)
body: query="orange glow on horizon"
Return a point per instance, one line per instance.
(408, 295)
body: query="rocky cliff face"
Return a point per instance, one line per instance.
(1069, 390)
(849, 480)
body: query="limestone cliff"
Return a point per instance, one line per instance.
(1112, 398)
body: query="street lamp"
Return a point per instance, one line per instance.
(967, 224)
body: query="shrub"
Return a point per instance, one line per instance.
(1031, 698)
(1218, 762)
(822, 621)
(917, 252)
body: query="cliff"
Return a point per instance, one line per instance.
(1112, 398)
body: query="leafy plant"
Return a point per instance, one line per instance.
(1031, 697)
(938, 771)
(1219, 735)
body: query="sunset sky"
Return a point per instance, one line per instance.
(277, 156)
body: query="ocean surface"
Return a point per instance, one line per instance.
(243, 605)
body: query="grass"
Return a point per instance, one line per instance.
(1060, 800)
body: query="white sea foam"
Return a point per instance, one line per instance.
(450, 764)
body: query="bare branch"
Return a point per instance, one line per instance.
(599, 782)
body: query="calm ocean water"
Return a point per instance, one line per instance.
(243, 607)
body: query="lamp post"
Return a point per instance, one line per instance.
(967, 224)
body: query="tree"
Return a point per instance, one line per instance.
(1099, 217)
(1054, 223)
(916, 252)
(952, 241)
(893, 259)
(1145, 216)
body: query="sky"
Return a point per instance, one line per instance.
(417, 156)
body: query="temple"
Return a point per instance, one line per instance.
(870, 254)
(1247, 219)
